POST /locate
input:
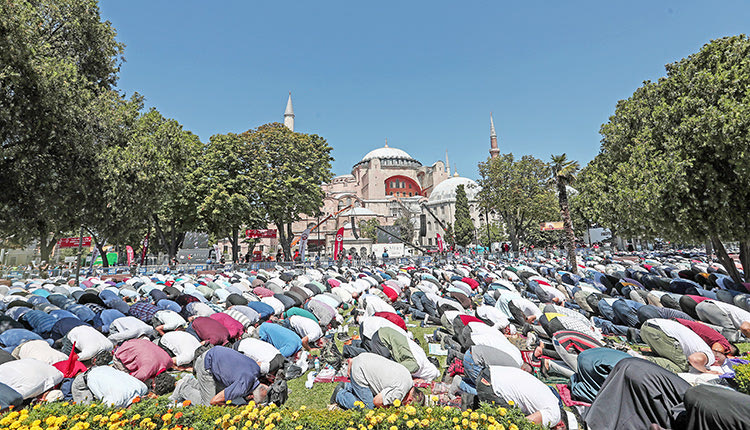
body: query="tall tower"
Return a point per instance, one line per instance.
(289, 114)
(447, 163)
(494, 150)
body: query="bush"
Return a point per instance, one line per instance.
(742, 377)
(160, 413)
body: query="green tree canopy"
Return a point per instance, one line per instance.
(287, 171)
(56, 59)
(367, 227)
(674, 159)
(519, 191)
(464, 226)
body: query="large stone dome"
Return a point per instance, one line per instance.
(390, 156)
(445, 192)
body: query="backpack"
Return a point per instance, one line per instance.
(330, 354)
(278, 392)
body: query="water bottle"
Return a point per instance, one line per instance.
(317, 363)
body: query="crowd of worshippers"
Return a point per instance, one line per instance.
(507, 327)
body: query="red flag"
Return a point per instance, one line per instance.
(129, 251)
(440, 243)
(338, 245)
(70, 367)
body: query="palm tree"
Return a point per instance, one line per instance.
(563, 173)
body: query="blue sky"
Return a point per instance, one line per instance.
(424, 75)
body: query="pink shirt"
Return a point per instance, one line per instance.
(143, 358)
(234, 327)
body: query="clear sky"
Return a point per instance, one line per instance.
(423, 74)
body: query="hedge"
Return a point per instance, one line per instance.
(150, 414)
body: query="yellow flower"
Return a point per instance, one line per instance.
(410, 424)
(425, 422)
(501, 411)
(511, 402)
(512, 427)
(474, 415)
(394, 428)
(455, 420)
(465, 422)
(397, 403)
(490, 427)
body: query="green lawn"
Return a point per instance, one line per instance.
(318, 396)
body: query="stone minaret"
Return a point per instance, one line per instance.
(494, 150)
(447, 163)
(289, 114)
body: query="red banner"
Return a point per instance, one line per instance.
(338, 245)
(129, 252)
(440, 243)
(260, 233)
(72, 242)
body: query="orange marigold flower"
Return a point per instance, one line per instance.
(186, 403)
(137, 399)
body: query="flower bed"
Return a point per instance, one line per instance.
(159, 413)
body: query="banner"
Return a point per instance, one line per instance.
(260, 233)
(440, 244)
(129, 252)
(303, 243)
(549, 226)
(338, 245)
(144, 250)
(72, 242)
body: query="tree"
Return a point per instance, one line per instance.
(518, 191)
(367, 228)
(406, 228)
(563, 174)
(288, 169)
(225, 207)
(464, 226)
(496, 233)
(674, 159)
(56, 59)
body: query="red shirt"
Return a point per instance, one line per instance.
(211, 330)
(390, 316)
(709, 335)
(466, 319)
(473, 283)
(390, 292)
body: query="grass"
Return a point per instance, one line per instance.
(319, 395)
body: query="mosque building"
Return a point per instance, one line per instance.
(386, 184)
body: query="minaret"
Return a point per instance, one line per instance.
(494, 151)
(289, 114)
(447, 163)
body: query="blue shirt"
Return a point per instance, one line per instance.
(236, 371)
(40, 322)
(166, 304)
(16, 336)
(285, 340)
(105, 318)
(63, 326)
(82, 312)
(263, 309)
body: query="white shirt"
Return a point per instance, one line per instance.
(306, 327)
(182, 344)
(113, 387)
(29, 377)
(482, 334)
(88, 341)
(278, 307)
(689, 341)
(527, 392)
(372, 324)
(493, 314)
(170, 319)
(260, 351)
(374, 304)
(553, 292)
(39, 350)
(427, 370)
(527, 307)
(130, 327)
(737, 314)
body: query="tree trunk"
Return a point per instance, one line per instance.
(284, 238)
(100, 247)
(570, 238)
(709, 250)
(745, 256)
(160, 232)
(45, 247)
(235, 244)
(725, 260)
